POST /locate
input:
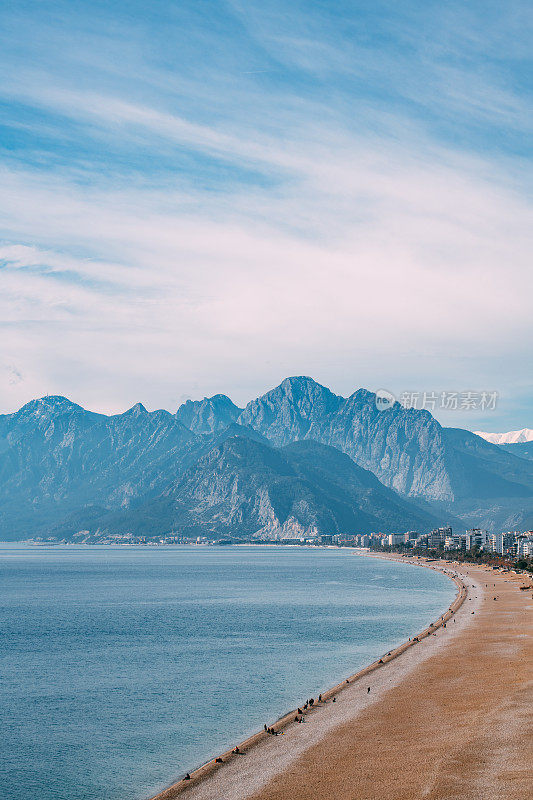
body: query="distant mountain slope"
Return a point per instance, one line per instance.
(209, 415)
(494, 485)
(55, 458)
(406, 449)
(511, 437)
(522, 449)
(243, 487)
(403, 447)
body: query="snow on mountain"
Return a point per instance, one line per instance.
(511, 437)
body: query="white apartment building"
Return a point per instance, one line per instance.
(524, 545)
(455, 542)
(395, 538)
(503, 543)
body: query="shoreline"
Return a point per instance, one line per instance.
(200, 775)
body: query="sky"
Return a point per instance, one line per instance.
(200, 197)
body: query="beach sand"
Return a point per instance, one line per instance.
(449, 718)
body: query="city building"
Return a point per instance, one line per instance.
(437, 537)
(476, 538)
(524, 545)
(395, 539)
(502, 543)
(455, 542)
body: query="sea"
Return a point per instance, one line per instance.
(123, 667)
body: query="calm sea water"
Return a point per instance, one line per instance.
(120, 668)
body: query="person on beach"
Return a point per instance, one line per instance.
(368, 690)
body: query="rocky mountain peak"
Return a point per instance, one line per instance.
(138, 410)
(49, 405)
(210, 415)
(305, 392)
(291, 410)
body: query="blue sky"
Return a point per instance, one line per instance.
(203, 197)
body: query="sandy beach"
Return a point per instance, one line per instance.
(447, 717)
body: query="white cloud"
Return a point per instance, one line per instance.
(377, 252)
(356, 245)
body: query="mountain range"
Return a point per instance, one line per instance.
(300, 459)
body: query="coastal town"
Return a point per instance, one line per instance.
(514, 548)
(513, 544)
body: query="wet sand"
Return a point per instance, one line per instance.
(449, 717)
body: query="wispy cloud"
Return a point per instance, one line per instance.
(317, 190)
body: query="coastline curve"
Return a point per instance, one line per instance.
(215, 764)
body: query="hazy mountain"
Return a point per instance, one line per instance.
(407, 449)
(59, 462)
(522, 449)
(493, 488)
(511, 437)
(209, 415)
(55, 458)
(244, 487)
(402, 447)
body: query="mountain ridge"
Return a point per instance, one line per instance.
(57, 458)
